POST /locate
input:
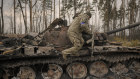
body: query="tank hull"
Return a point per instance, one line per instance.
(46, 62)
(104, 64)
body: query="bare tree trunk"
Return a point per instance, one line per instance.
(11, 19)
(0, 26)
(138, 32)
(54, 9)
(139, 11)
(132, 17)
(36, 19)
(114, 16)
(46, 20)
(64, 9)
(43, 9)
(86, 2)
(108, 14)
(23, 16)
(123, 2)
(39, 23)
(2, 17)
(59, 8)
(20, 25)
(26, 16)
(31, 27)
(12, 28)
(14, 17)
(129, 18)
(74, 7)
(51, 13)
(120, 33)
(88, 5)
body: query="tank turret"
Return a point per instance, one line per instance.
(123, 28)
(101, 38)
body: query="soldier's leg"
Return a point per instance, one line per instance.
(72, 50)
(77, 42)
(66, 52)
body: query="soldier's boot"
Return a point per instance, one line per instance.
(64, 56)
(74, 54)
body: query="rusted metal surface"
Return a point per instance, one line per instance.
(58, 38)
(77, 70)
(119, 69)
(54, 58)
(54, 72)
(26, 73)
(98, 69)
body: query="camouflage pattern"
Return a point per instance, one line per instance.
(79, 25)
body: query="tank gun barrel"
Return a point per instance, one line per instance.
(120, 29)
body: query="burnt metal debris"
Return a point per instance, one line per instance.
(38, 56)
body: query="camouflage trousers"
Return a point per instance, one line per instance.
(77, 41)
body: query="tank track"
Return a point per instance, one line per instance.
(112, 58)
(102, 65)
(116, 69)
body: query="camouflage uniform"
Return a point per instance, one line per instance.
(79, 25)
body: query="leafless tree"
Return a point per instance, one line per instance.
(2, 18)
(31, 27)
(23, 16)
(14, 16)
(54, 9)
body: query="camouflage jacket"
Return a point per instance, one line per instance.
(79, 25)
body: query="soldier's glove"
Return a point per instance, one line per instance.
(89, 41)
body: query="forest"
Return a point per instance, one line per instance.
(25, 16)
(41, 39)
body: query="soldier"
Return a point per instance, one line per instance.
(79, 25)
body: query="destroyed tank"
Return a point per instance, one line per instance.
(39, 57)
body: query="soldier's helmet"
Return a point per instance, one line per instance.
(76, 15)
(89, 14)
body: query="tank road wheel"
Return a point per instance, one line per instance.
(98, 69)
(54, 72)
(135, 67)
(119, 69)
(91, 77)
(26, 73)
(77, 70)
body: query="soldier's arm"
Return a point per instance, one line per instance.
(84, 24)
(85, 28)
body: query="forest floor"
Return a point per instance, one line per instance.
(127, 42)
